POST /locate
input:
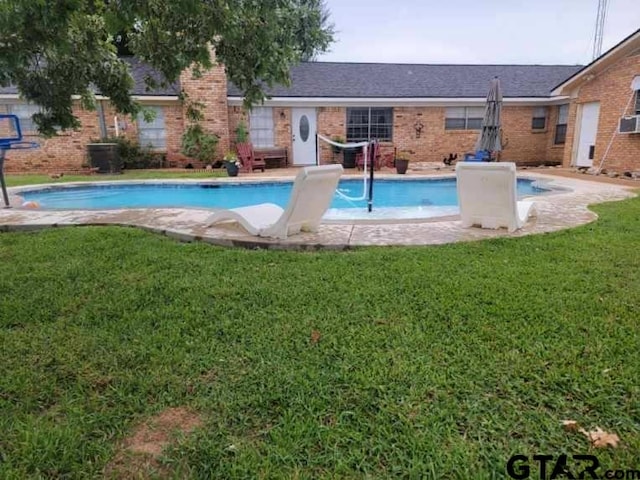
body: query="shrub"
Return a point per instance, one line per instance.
(334, 148)
(133, 155)
(241, 133)
(198, 144)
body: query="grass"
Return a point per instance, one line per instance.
(20, 180)
(438, 362)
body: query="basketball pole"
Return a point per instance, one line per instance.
(5, 195)
(371, 161)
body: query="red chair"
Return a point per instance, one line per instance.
(386, 159)
(248, 158)
(376, 155)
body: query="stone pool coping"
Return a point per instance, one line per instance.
(557, 211)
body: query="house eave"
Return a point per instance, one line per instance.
(139, 98)
(396, 102)
(600, 64)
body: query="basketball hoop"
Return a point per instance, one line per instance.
(10, 139)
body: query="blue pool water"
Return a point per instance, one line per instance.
(387, 193)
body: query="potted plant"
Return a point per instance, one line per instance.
(402, 163)
(232, 163)
(335, 148)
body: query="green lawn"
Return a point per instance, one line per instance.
(435, 362)
(19, 180)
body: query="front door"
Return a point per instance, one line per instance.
(303, 131)
(587, 134)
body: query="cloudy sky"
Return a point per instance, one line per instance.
(475, 31)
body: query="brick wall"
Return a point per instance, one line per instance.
(282, 126)
(210, 89)
(522, 144)
(65, 152)
(612, 89)
(331, 123)
(433, 143)
(68, 151)
(554, 153)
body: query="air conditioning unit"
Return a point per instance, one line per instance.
(630, 124)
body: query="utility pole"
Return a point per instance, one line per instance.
(600, 21)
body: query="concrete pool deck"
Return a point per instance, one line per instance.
(557, 211)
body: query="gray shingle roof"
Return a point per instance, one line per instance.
(388, 80)
(139, 71)
(385, 80)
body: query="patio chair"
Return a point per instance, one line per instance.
(478, 156)
(312, 193)
(360, 157)
(380, 159)
(248, 158)
(488, 196)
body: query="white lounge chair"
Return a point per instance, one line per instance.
(488, 196)
(313, 190)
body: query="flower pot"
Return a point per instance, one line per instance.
(401, 165)
(232, 169)
(349, 158)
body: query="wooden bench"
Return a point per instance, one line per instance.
(276, 157)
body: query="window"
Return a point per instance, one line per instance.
(152, 134)
(24, 112)
(261, 126)
(638, 102)
(561, 124)
(539, 119)
(463, 118)
(368, 123)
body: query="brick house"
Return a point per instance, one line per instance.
(602, 93)
(424, 111)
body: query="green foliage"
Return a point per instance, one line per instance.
(242, 135)
(334, 148)
(231, 157)
(432, 362)
(53, 50)
(198, 144)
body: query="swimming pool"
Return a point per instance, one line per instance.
(411, 198)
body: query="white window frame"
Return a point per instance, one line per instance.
(466, 114)
(261, 127)
(360, 119)
(153, 134)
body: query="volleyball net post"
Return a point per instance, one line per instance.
(367, 175)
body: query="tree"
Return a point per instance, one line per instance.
(316, 14)
(54, 51)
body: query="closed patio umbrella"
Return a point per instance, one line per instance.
(490, 131)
